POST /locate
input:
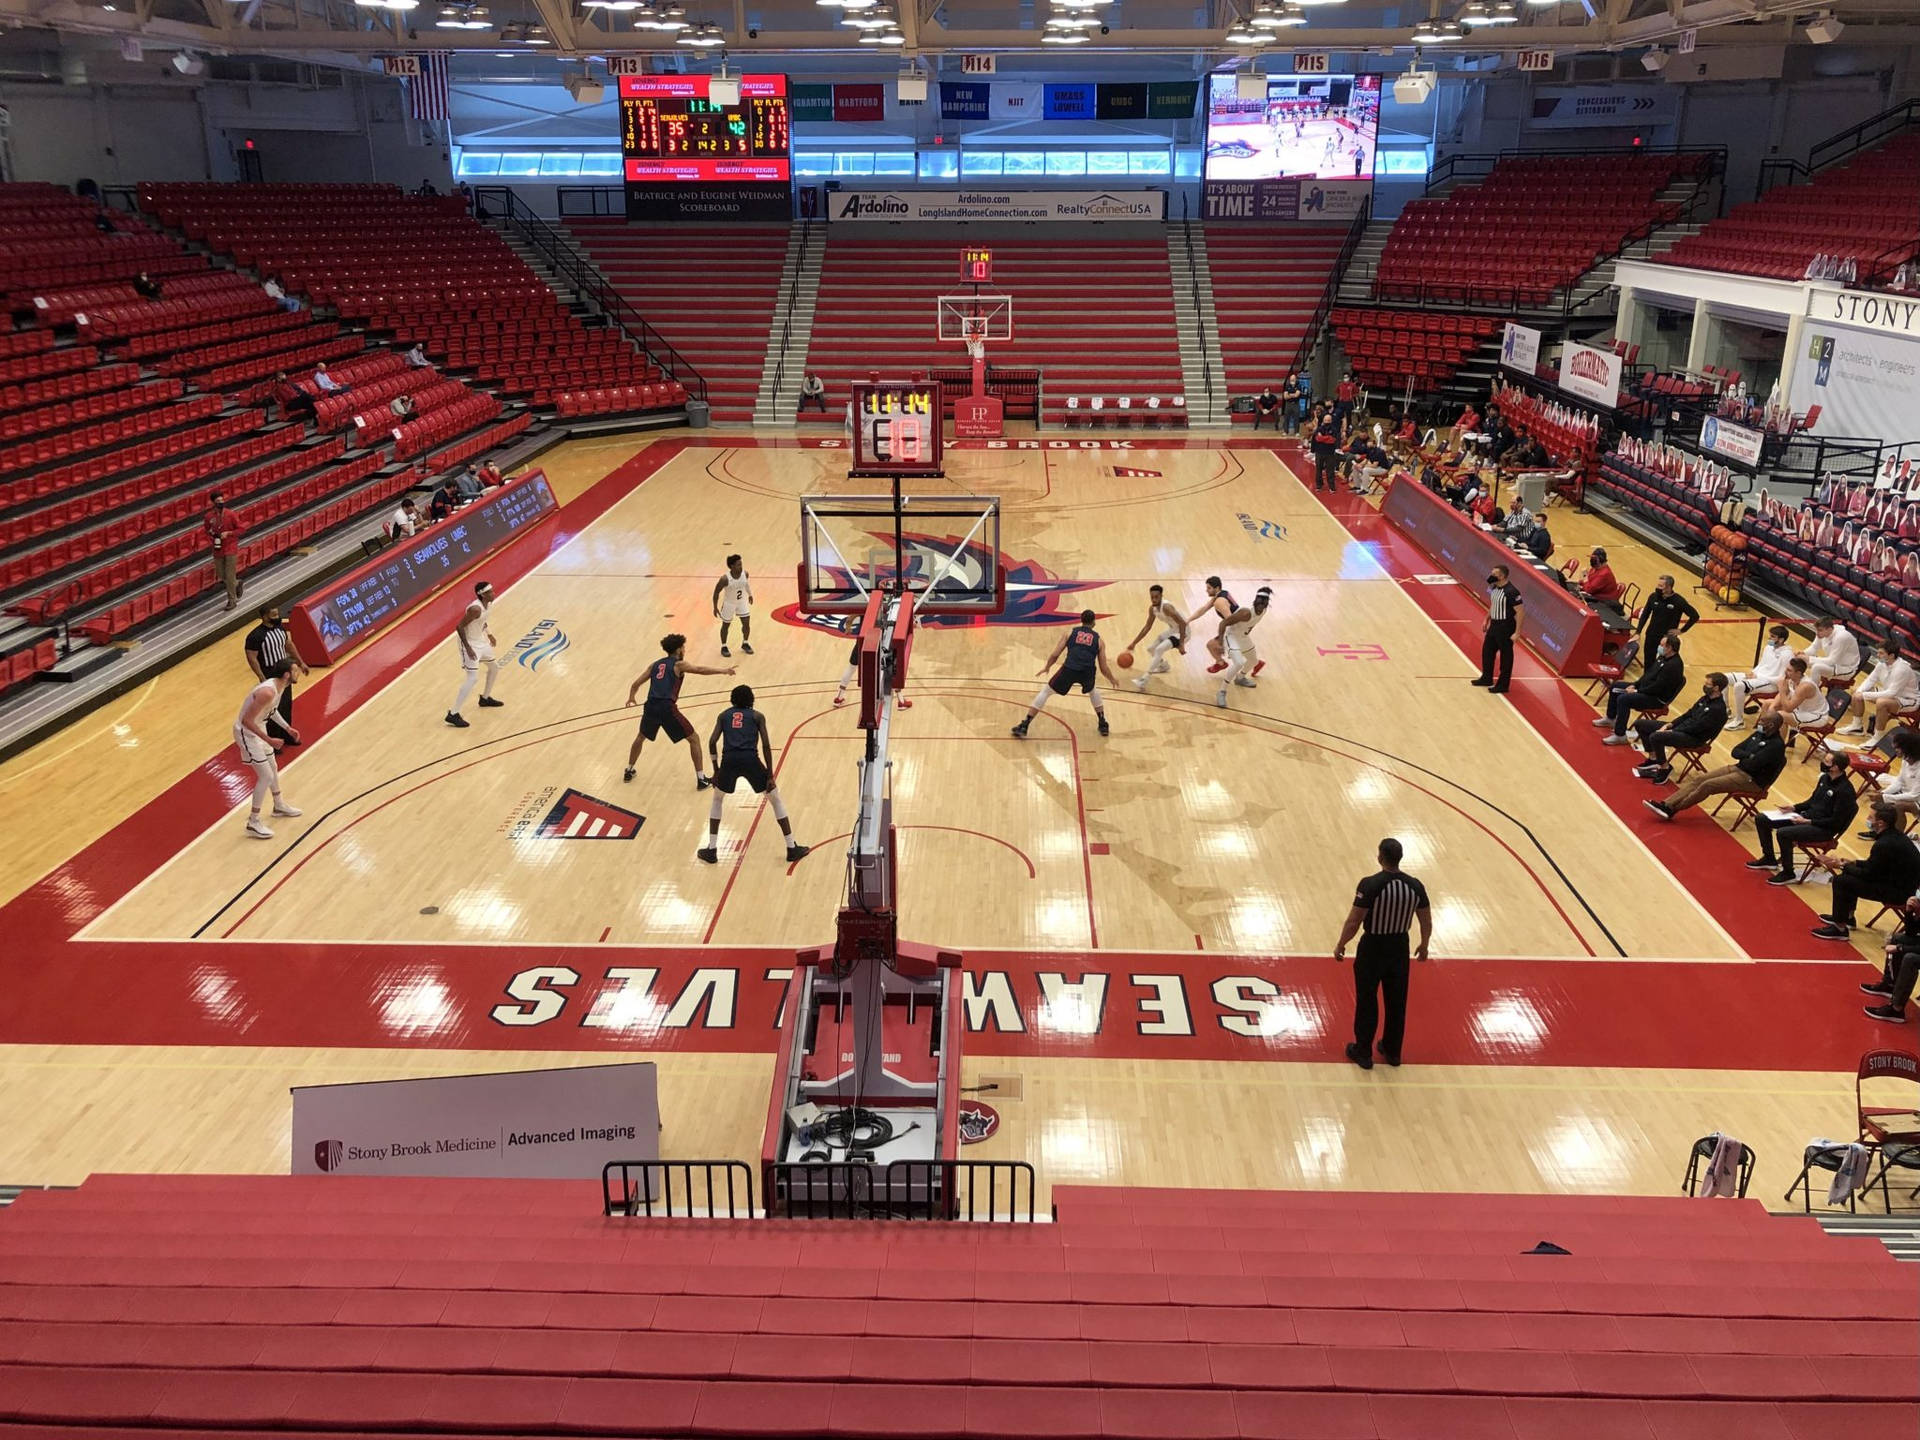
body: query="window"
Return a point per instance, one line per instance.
(527, 164)
(601, 162)
(939, 166)
(560, 162)
(1066, 162)
(1149, 162)
(853, 162)
(477, 163)
(1107, 162)
(893, 162)
(1403, 162)
(1026, 162)
(979, 162)
(1187, 163)
(813, 162)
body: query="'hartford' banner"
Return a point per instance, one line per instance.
(1076, 205)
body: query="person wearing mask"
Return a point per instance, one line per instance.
(1267, 408)
(268, 653)
(1662, 679)
(1503, 619)
(1385, 906)
(1834, 653)
(1890, 687)
(490, 475)
(1599, 586)
(1901, 791)
(223, 539)
(401, 408)
(1344, 396)
(1326, 446)
(1757, 763)
(1900, 968)
(445, 500)
(1666, 609)
(1820, 819)
(1290, 405)
(1763, 680)
(1694, 729)
(467, 483)
(278, 294)
(1519, 522)
(1539, 541)
(1888, 876)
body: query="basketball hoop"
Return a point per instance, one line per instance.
(976, 347)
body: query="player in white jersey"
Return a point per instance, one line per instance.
(1243, 656)
(258, 748)
(1221, 604)
(733, 599)
(1172, 636)
(476, 652)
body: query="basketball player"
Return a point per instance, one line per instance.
(476, 650)
(853, 664)
(741, 751)
(1083, 652)
(662, 710)
(1242, 655)
(258, 748)
(1222, 605)
(1173, 633)
(737, 589)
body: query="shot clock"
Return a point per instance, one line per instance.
(687, 158)
(896, 428)
(976, 266)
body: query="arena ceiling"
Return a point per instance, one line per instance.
(348, 33)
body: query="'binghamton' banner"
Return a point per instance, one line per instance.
(1079, 206)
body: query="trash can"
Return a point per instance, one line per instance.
(698, 413)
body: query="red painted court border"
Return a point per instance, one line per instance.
(1722, 1015)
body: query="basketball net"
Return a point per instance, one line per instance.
(976, 347)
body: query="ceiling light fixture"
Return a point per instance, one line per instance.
(1073, 22)
(1503, 13)
(846, 4)
(883, 37)
(1065, 37)
(1241, 33)
(704, 36)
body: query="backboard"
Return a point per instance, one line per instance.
(945, 548)
(985, 316)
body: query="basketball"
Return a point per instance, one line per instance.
(1124, 659)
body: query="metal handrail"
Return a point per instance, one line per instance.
(1199, 315)
(1444, 168)
(793, 297)
(573, 266)
(1836, 148)
(648, 1198)
(1330, 294)
(905, 1190)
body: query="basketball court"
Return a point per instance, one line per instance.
(1148, 917)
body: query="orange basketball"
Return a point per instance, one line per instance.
(1124, 659)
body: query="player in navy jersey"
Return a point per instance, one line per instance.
(742, 751)
(661, 713)
(1079, 653)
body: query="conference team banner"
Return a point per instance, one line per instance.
(1593, 375)
(810, 102)
(963, 99)
(532, 1124)
(885, 206)
(859, 104)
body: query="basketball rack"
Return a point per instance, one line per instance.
(868, 1067)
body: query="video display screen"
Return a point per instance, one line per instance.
(1308, 127)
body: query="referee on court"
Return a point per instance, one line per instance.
(266, 646)
(1385, 905)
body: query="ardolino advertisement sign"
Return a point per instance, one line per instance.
(521, 1124)
(1075, 206)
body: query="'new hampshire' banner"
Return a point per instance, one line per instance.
(963, 100)
(1071, 102)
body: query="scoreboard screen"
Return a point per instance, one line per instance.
(896, 428)
(670, 131)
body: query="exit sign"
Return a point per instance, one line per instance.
(1307, 62)
(976, 266)
(1536, 60)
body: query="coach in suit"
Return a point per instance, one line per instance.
(1385, 905)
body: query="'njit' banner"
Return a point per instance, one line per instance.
(534, 1124)
(1593, 375)
(1072, 205)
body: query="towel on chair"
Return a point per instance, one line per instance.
(1723, 1169)
(1851, 1174)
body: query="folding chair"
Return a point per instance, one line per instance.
(1905, 1157)
(1747, 807)
(1882, 1124)
(1702, 1153)
(1820, 1157)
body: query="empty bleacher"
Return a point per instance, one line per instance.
(420, 268)
(458, 1307)
(1531, 229)
(1390, 350)
(1094, 313)
(1267, 288)
(1863, 210)
(709, 289)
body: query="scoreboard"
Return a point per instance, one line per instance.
(896, 428)
(688, 158)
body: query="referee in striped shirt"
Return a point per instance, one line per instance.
(1385, 905)
(266, 646)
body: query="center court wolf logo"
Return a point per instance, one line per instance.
(579, 816)
(1035, 595)
(327, 1153)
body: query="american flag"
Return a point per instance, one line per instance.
(429, 92)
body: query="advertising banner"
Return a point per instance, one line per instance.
(1520, 349)
(1593, 375)
(964, 99)
(1735, 442)
(1317, 201)
(1066, 205)
(1865, 381)
(1578, 107)
(528, 1124)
